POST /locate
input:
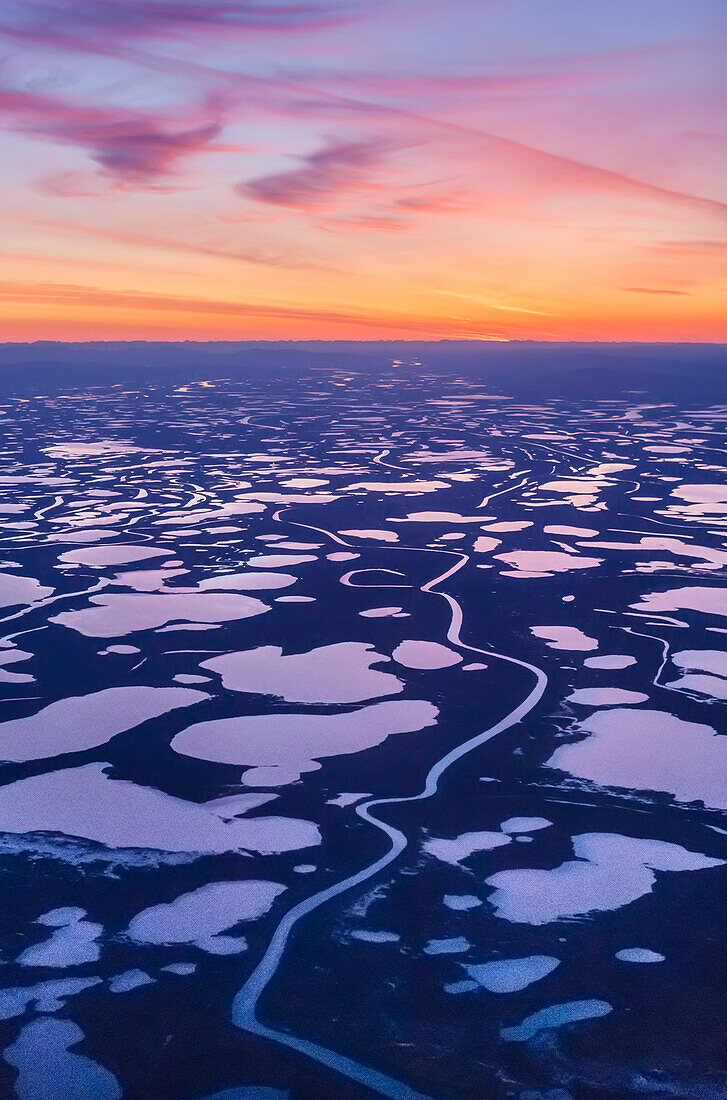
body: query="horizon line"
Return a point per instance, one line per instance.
(384, 340)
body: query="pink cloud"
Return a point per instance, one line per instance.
(518, 167)
(256, 254)
(129, 146)
(338, 166)
(86, 24)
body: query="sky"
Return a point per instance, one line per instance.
(363, 169)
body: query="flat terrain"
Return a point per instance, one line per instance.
(363, 732)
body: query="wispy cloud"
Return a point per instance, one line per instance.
(59, 295)
(129, 146)
(706, 248)
(338, 166)
(655, 290)
(257, 255)
(530, 169)
(88, 24)
(492, 303)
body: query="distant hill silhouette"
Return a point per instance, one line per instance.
(665, 372)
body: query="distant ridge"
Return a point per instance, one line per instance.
(665, 372)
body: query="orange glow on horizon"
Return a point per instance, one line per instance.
(331, 186)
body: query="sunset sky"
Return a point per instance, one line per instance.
(243, 169)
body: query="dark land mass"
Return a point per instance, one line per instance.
(667, 372)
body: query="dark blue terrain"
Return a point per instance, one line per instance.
(363, 722)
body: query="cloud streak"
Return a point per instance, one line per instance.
(257, 255)
(338, 166)
(89, 24)
(129, 146)
(655, 290)
(69, 295)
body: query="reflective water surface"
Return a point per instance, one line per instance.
(362, 735)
